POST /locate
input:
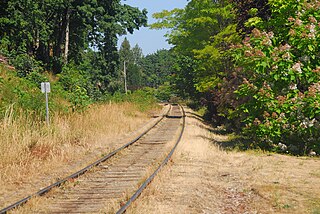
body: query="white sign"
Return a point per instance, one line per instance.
(45, 87)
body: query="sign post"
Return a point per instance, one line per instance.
(45, 88)
(125, 77)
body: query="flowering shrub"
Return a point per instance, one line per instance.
(280, 65)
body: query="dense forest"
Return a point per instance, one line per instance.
(254, 65)
(73, 44)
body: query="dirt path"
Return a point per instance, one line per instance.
(205, 179)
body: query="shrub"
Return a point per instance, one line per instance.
(75, 83)
(164, 92)
(280, 92)
(25, 64)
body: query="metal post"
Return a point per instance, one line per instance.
(47, 109)
(45, 88)
(125, 77)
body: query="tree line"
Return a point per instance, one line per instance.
(254, 64)
(61, 33)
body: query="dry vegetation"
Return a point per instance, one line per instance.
(30, 150)
(204, 178)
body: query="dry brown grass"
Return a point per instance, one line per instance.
(31, 150)
(204, 178)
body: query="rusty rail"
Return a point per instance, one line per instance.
(165, 161)
(80, 172)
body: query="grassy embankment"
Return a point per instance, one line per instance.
(29, 148)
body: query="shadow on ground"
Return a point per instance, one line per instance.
(224, 139)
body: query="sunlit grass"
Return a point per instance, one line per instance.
(29, 147)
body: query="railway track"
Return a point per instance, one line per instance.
(107, 184)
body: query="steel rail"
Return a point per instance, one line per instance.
(82, 171)
(165, 161)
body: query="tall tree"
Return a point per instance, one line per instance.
(158, 67)
(200, 35)
(131, 58)
(59, 31)
(250, 9)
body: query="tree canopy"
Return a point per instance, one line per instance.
(57, 31)
(254, 64)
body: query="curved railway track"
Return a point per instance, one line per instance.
(109, 182)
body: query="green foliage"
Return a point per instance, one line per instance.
(143, 98)
(25, 65)
(250, 13)
(75, 82)
(131, 58)
(23, 95)
(200, 33)
(57, 32)
(164, 92)
(271, 94)
(79, 98)
(158, 68)
(280, 90)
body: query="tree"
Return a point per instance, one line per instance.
(125, 52)
(56, 32)
(201, 33)
(158, 67)
(131, 58)
(137, 54)
(253, 10)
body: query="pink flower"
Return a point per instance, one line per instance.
(297, 67)
(259, 53)
(293, 86)
(311, 28)
(285, 47)
(256, 122)
(245, 81)
(271, 34)
(247, 45)
(274, 115)
(281, 99)
(298, 22)
(247, 53)
(311, 36)
(267, 42)
(317, 86)
(312, 19)
(266, 114)
(317, 70)
(256, 33)
(292, 32)
(266, 85)
(291, 19)
(286, 56)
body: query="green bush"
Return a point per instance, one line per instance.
(25, 64)
(75, 83)
(19, 93)
(164, 92)
(281, 90)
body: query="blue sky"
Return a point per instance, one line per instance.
(151, 40)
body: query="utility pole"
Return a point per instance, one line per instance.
(125, 77)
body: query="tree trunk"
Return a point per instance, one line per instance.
(66, 46)
(58, 55)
